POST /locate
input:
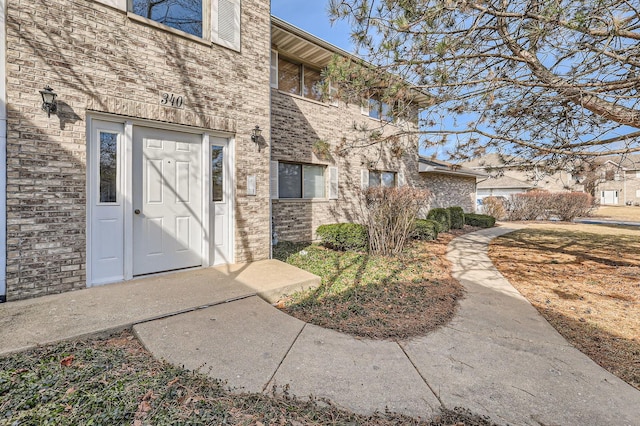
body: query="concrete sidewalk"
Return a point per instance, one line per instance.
(99, 310)
(498, 357)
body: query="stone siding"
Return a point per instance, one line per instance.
(449, 191)
(98, 59)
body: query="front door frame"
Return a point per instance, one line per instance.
(127, 187)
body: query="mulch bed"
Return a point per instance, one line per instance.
(387, 298)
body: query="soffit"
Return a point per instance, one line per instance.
(296, 47)
(297, 44)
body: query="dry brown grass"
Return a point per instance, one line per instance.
(630, 213)
(585, 280)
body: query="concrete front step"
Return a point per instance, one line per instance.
(272, 279)
(82, 313)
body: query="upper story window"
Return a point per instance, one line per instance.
(214, 20)
(294, 78)
(183, 15)
(375, 108)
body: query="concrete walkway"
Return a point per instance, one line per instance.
(100, 310)
(498, 357)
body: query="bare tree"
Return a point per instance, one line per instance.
(552, 80)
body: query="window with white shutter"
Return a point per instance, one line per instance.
(225, 23)
(214, 20)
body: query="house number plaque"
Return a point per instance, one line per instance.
(171, 100)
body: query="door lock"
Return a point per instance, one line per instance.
(137, 211)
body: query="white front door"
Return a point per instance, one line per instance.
(609, 197)
(167, 200)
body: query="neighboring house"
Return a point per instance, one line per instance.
(509, 177)
(502, 186)
(153, 160)
(451, 185)
(314, 180)
(618, 181)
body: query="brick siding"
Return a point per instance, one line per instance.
(99, 60)
(297, 123)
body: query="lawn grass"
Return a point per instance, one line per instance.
(115, 381)
(375, 296)
(585, 280)
(625, 213)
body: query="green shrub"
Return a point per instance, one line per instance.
(442, 216)
(457, 217)
(481, 220)
(344, 236)
(425, 229)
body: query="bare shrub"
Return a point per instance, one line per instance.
(532, 205)
(494, 206)
(390, 216)
(542, 205)
(569, 205)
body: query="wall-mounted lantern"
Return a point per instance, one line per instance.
(49, 100)
(256, 133)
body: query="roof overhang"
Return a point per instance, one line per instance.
(299, 45)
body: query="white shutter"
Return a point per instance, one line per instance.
(401, 181)
(274, 69)
(364, 178)
(333, 183)
(273, 180)
(225, 23)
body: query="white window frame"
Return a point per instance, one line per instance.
(329, 173)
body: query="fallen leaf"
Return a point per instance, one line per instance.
(67, 361)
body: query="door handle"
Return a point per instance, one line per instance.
(137, 211)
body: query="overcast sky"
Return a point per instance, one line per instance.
(312, 16)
